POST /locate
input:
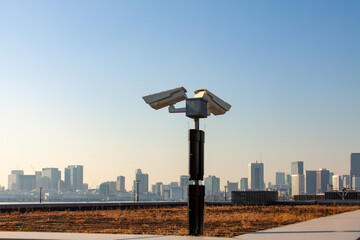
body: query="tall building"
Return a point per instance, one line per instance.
(174, 184)
(176, 193)
(297, 167)
(280, 179)
(232, 186)
(310, 185)
(104, 189)
(337, 183)
(331, 174)
(354, 165)
(144, 181)
(256, 176)
(244, 184)
(298, 184)
(38, 176)
(184, 180)
(14, 180)
(346, 181)
(74, 177)
(120, 184)
(322, 180)
(52, 177)
(356, 183)
(158, 188)
(212, 185)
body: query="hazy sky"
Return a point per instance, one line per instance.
(72, 74)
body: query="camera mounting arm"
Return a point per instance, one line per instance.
(172, 109)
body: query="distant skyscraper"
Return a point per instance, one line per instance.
(174, 184)
(280, 178)
(337, 183)
(298, 184)
(38, 176)
(288, 180)
(14, 180)
(158, 189)
(74, 175)
(322, 180)
(310, 185)
(256, 176)
(354, 165)
(120, 184)
(144, 181)
(244, 185)
(356, 183)
(232, 186)
(212, 185)
(331, 174)
(52, 176)
(346, 181)
(184, 180)
(297, 167)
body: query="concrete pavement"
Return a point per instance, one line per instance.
(93, 236)
(344, 226)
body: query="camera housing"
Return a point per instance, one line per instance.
(215, 105)
(166, 98)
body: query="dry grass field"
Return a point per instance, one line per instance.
(220, 221)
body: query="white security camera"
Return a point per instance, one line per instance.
(215, 105)
(166, 98)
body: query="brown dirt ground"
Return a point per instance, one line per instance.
(220, 221)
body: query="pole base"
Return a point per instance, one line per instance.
(196, 194)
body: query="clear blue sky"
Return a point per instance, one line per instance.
(72, 74)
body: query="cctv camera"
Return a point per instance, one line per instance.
(215, 105)
(165, 98)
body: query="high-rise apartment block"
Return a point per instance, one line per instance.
(354, 165)
(244, 184)
(212, 185)
(74, 177)
(346, 181)
(310, 184)
(184, 180)
(280, 179)
(337, 183)
(50, 178)
(356, 183)
(256, 176)
(158, 188)
(120, 184)
(232, 186)
(322, 180)
(297, 184)
(17, 181)
(144, 181)
(297, 167)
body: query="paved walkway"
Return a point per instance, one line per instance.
(93, 236)
(344, 226)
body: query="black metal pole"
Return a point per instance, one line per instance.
(225, 193)
(40, 193)
(137, 191)
(196, 192)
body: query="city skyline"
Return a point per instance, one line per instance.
(72, 77)
(73, 180)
